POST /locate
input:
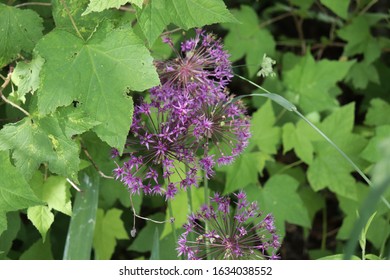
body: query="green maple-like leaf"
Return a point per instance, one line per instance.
(280, 198)
(15, 193)
(244, 171)
(109, 227)
(311, 84)
(375, 113)
(299, 138)
(26, 77)
(157, 14)
(371, 151)
(99, 5)
(153, 19)
(42, 218)
(340, 8)
(97, 73)
(265, 135)
(359, 39)
(19, 31)
(54, 191)
(254, 41)
(329, 168)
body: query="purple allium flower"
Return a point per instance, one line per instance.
(222, 126)
(155, 144)
(244, 235)
(201, 62)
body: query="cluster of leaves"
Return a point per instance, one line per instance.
(71, 68)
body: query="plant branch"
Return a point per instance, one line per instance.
(73, 185)
(366, 8)
(3, 86)
(71, 19)
(127, 9)
(275, 19)
(93, 162)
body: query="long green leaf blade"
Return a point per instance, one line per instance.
(79, 240)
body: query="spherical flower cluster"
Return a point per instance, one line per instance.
(244, 234)
(191, 121)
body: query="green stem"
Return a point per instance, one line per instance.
(206, 201)
(172, 222)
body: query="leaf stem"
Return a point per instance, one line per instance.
(71, 19)
(3, 86)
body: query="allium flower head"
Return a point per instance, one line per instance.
(244, 234)
(221, 128)
(201, 68)
(154, 145)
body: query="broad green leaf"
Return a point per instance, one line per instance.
(179, 214)
(196, 13)
(371, 151)
(298, 139)
(359, 39)
(99, 5)
(109, 227)
(244, 171)
(313, 201)
(86, 24)
(79, 239)
(54, 191)
(97, 74)
(339, 7)
(375, 113)
(311, 84)
(265, 135)
(15, 194)
(157, 14)
(19, 31)
(329, 169)
(38, 251)
(249, 40)
(42, 218)
(361, 74)
(279, 197)
(26, 77)
(153, 19)
(74, 121)
(41, 141)
(8, 236)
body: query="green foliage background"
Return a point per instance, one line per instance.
(77, 64)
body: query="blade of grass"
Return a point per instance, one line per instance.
(155, 255)
(291, 107)
(381, 183)
(79, 240)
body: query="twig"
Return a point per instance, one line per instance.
(275, 19)
(3, 86)
(73, 185)
(135, 215)
(366, 8)
(93, 163)
(71, 19)
(170, 32)
(33, 4)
